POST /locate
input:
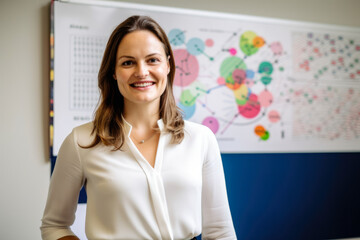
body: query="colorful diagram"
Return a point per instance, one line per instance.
(262, 132)
(232, 89)
(328, 113)
(326, 56)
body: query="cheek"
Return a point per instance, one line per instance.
(163, 73)
(122, 86)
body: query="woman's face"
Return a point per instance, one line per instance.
(141, 68)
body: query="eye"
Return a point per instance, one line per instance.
(153, 60)
(127, 63)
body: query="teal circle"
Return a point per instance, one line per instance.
(266, 68)
(195, 46)
(266, 80)
(176, 37)
(187, 111)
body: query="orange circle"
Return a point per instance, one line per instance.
(258, 42)
(260, 130)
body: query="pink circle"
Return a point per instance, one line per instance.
(249, 82)
(221, 80)
(187, 68)
(209, 42)
(252, 108)
(274, 116)
(239, 75)
(276, 48)
(232, 51)
(211, 123)
(265, 98)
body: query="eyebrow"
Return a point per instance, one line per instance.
(131, 57)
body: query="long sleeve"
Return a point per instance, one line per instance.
(216, 217)
(127, 198)
(65, 185)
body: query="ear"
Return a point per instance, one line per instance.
(168, 64)
(114, 76)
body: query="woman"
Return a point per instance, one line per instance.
(148, 173)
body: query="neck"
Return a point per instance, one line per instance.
(143, 117)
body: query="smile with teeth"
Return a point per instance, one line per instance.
(142, 84)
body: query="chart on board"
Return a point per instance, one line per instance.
(261, 85)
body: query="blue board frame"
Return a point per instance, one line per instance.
(292, 195)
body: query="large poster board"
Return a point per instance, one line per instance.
(260, 84)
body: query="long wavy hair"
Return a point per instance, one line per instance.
(108, 123)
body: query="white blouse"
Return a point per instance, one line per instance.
(184, 195)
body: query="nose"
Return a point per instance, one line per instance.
(142, 70)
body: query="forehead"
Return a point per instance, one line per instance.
(139, 41)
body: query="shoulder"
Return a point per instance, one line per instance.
(193, 128)
(83, 133)
(201, 137)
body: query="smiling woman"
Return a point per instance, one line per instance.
(141, 73)
(148, 173)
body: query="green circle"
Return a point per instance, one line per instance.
(246, 43)
(187, 99)
(265, 136)
(229, 65)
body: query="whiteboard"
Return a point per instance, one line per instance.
(260, 84)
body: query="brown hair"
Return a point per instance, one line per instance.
(108, 123)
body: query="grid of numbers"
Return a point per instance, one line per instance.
(85, 59)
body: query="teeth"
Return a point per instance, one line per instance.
(142, 84)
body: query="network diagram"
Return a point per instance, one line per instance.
(231, 89)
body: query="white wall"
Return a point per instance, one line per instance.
(24, 64)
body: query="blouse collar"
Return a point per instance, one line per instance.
(128, 126)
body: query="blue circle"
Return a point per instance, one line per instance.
(176, 37)
(188, 111)
(250, 74)
(195, 46)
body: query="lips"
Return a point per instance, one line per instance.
(142, 84)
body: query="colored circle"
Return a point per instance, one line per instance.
(176, 37)
(276, 48)
(250, 74)
(221, 80)
(209, 42)
(265, 98)
(187, 68)
(187, 111)
(266, 68)
(249, 83)
(246, 43)
(252, 107)
(266, 80)
(232, 51)
(239, 75)
(258, 42)
(229, 65)
(187, 99)
(259, 130)
(274, 116)
(211, 123)
(195, 46)
(265, 136)
(241, 95)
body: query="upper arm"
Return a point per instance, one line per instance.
(66, 182)
(216, 216)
